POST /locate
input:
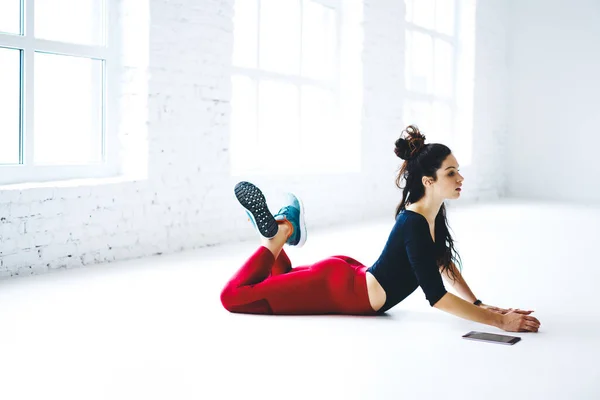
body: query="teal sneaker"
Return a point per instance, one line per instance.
(253, 200)
(293, 211)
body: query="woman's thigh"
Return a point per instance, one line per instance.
(322, 288)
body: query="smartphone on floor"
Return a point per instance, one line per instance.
(491, 337)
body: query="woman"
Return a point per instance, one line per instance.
(418, 251)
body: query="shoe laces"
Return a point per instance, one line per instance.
(284, 211)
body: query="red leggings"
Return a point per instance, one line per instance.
(335, 285)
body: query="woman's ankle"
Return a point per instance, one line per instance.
(286, 227)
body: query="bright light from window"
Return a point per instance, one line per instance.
(286, 108)
(439, 71)
(10, 66)
(82, 23)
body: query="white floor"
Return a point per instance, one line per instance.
(155, 329)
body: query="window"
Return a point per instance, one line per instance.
(439, 71)
(286, 89)
(55, 85)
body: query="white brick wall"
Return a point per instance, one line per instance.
(187, 199)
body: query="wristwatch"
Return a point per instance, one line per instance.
(477, 302)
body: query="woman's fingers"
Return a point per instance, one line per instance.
(531, 326)
(528, 327)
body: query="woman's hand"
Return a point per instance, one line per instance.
(514, 321)
(504, 310)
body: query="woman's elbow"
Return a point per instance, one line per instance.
(439, 303)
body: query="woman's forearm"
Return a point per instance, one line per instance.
(461, 308)
(459, 284)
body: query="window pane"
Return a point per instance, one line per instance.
(243, 122)
(245, 29)
(424, 13)
(10, 16)
(318, 133)
(278, 118)
(418, 113)
(444, 16)
(280, 36)
(444, 67)
(441, 131)
(319, 41)
(74, 21)
(419, 62)
(67, 110)
(10, 105)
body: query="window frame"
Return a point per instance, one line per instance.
(28, 45)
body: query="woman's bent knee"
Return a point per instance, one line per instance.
(227, 298)
(232, 301)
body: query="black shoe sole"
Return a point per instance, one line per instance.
(253, 200)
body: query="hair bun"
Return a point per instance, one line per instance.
(402, 149)
(408, 148)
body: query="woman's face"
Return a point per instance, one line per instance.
(449, 179)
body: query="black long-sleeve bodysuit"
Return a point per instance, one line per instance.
(408, 261)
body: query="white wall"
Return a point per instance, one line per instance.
(554, 120)
(187, 199)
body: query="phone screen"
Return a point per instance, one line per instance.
(491, 337)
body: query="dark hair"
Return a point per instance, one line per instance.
(424, 160)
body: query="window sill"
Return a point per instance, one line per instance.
(72, 183)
